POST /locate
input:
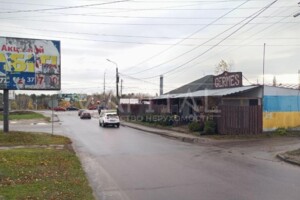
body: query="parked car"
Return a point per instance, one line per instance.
(59, 108)
(80, 111)
(109, 118)
(94, 107)
(72, 108)
(85, 115)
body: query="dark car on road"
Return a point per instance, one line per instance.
(85, 115)
(72, 108)
(59, 108)
(80, 111)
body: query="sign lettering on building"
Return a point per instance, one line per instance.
(228, 80)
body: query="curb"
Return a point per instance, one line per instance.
(44, 146)
(286, 159)
(168, 135)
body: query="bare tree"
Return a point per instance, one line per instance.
(223, 66)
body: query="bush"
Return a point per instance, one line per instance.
(195, 126)
(281, 131)
(210, 127)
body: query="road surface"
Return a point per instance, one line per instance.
(127, 164)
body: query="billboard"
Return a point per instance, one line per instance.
(29, 64)
(72, 97)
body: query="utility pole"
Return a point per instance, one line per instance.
(104, 84)
(161, 85)
(121, 87)
(264, 57)
(117, 78)
(5, 110)
(117, 84)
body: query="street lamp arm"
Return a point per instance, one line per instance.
(112, 62)
(297, 14)
(117, 79)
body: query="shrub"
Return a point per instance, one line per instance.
(195, 126)
(210, 127)
(281, 131)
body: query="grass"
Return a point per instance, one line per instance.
(21, 115)
(292, 156)
(294, 153)
(40, 173)
(14, 138)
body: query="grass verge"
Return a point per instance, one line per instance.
(40, 173)
(21, 115)
(14, 138)
(291, 157)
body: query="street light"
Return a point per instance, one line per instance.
(117, 80)
(112, 62)
(297, 14)
(117, 77)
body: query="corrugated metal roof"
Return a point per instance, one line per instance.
(205, 93)
(205, 82)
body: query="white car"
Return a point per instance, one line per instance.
(109, 118)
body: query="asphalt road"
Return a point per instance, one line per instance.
(124, 163)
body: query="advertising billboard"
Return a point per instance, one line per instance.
(29, 64)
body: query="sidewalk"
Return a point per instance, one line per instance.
(167, 133)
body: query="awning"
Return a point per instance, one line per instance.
(208, 92)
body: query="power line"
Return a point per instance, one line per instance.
(190, 35)
(195, 47)
(23, 3)
(135, 24)
(137, 9)
(136, 17)
(142, 37)
(134, 78)
(253, 16)
(63, 8)
(226, 50)
(149, 43)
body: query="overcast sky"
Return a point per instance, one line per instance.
(183, 40)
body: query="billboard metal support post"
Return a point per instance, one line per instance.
(5, 111)
(52, 115)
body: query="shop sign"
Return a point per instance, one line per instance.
(228, 80)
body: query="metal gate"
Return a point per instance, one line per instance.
(240, 120)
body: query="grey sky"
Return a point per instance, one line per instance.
(181, 39)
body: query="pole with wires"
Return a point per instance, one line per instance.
(117, 82)
(297, 14)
